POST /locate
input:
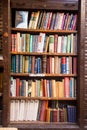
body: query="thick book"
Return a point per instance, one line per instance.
(21, 19)
(43, 111)
(67, 87)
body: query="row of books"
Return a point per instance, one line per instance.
(60, 88)
(50, 64)
(35, 110)
(22, 42)
(45, 20)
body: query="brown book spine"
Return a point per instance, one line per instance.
(54, 115)
(74, 65)
(44, 65)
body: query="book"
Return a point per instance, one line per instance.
(51, 43)
(21, 19)
(61, 88)
(17, 110)
(39, 20)
(36, 17)
(74, 65)
(13, 87)
(12, 110)
(31, 20)
(66, 87)
(43, 111)
(41, 40)
(55, 115)
(48, 114)
(49, 20)
(63, 65)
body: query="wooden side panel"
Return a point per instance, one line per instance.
(6, 73)
(1, 25)
(85, 66)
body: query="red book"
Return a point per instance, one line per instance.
(54, 115)
(12, 42)
(63, 60)
(17, 86)
(49, 20)
(61, 115)
(66, 87)
(63, 65)
(43, 111)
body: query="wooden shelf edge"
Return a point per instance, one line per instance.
(43, 75)
(43, 98)
(44, 31)
(43, 53)
(51, 125)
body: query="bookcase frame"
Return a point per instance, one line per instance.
(51, 5)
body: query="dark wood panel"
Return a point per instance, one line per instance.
(46, 4)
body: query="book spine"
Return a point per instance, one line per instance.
(67, 87)
(63, 65)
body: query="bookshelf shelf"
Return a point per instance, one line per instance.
(28, 123)
(42, 98)
(43, 75)
(44, 31)
(43, 53)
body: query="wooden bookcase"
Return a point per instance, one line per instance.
(71, 7)
(1, 62)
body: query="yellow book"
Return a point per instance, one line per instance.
(61, 89)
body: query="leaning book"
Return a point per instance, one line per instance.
(21, 19)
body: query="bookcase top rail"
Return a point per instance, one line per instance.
(43, 4)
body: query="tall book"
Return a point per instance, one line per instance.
(51, 43)
(41, 40)
(67, 87)
(43, 111)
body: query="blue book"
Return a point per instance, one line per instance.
(50, 88)
(74, 114)
(38, 65)
(29, 65)
(13, 63)
(70, 87)
(69, 113)
(63, 68)
(35, 67)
